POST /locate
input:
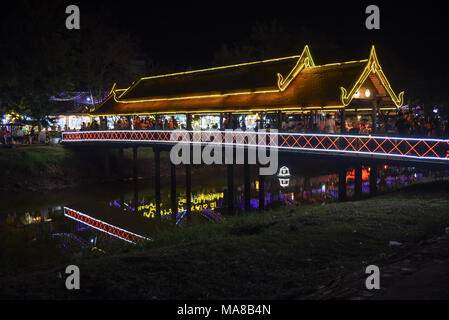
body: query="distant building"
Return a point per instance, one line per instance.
(73, 108)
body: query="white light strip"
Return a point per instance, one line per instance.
(264, 133)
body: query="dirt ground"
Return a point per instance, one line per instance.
(420, 273)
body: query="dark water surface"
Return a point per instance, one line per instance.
(93, 216)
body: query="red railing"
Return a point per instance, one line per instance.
(394, 147)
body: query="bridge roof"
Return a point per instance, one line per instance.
(277, 84)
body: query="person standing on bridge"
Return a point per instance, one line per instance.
(329, 124)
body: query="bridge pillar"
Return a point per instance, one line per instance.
(122, 197)
(261, 191)
(121, 163)
(230, 191)
(342, 184)
(188, 191)
(358, 180)
(136, 196)
(107, 164)
(174, 202)
(247, 184)
(373, 180)
(135, 163)
(157, 179)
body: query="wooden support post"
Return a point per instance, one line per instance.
(188, 121)
(135, 163)
(374, 117)
(358, 180)
(343, 121)
(173, 198)
(221, 122)
(342, 183)
(157, 179)
(279, 120)
(373, 180)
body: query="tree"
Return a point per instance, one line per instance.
(40, 58)
(36, 60)
(105, 55)
(273, 40)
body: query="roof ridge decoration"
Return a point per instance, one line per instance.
(372, 66)
(135, 83)
(305, 61)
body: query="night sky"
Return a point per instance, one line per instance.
(411, 45)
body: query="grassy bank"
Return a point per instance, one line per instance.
(280, 254)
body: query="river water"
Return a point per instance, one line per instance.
(94, 216)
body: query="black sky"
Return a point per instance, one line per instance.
(412, 43)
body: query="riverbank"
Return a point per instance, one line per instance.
(287, 253)
(52, 167)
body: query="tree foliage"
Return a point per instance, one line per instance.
(36, 60)
(40, 58)
(273, 39)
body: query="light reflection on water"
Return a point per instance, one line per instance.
(132, 210)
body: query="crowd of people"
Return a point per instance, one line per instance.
(403, 124)
(409, 124)
(138, 123)
(21, 135)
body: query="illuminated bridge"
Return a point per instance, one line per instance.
(413, 150)
(351, 96)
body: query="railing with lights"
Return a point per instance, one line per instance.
(104, 227)
(377, 146)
